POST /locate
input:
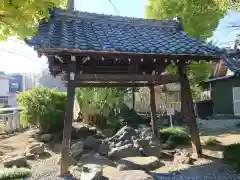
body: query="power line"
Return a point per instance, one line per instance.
(19, 54)
(114, 7)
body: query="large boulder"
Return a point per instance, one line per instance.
(80, 132)
(131, 175)
(95, 159)
(123, 151)
(125, 133)
(36, 148)
(77, 150)
(18, 161)
(139, 163)
(91, 172)
(46, 138)
(91, 143)
(103, 149)
(141, 143)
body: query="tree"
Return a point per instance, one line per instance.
(21, 17)
(199, 18)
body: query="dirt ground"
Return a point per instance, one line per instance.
(16, 144)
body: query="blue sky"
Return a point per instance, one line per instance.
(26, 60)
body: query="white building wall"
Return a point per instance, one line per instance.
(12, 100)
(4, 86)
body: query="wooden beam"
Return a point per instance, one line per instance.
(125, 77)
(120, 54)
(188, 110)
(116, 84)
(153, 111)
(100, 85)
(67, 130)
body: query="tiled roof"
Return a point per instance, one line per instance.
(232, 60)
(89, 31)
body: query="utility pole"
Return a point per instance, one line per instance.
(70, 5)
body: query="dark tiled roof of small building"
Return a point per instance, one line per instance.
(96, 32)
(232, 59)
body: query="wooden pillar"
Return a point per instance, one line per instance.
(133, 98)
(153, 110)
(67, 130)
(188, 109)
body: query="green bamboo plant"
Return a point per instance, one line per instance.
(100, 101)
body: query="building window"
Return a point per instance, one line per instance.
(15, 85)
(4, 100)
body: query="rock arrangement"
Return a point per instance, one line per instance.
(33, 151)
(130, 149)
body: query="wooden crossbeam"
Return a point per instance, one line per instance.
(163, 79)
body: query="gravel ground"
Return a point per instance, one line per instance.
(49, 169)
(213, 171)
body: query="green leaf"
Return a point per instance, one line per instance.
(20, 17)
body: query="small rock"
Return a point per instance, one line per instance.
(91, 172)
(36, 148)
(18, 161)
(31, 140)
(103, 149)
(30, 156)
(132, 175)
(124, 151)
(183, 158)
(46, 138)
(77, 150)
(91, 143)
(139, 163)
(75, 171)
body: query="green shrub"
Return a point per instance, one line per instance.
(211, 140)
(14, 173)
(177, 135)
(100, 102)
(44, 108)
(231, 155)
(115, 123)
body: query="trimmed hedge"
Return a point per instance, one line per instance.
(177, 135)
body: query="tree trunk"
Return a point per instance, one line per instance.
(153, 111)
(67, 130)
(188, 110)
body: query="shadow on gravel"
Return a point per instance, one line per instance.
(216, 170)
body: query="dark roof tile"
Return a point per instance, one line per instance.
(89, 31)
